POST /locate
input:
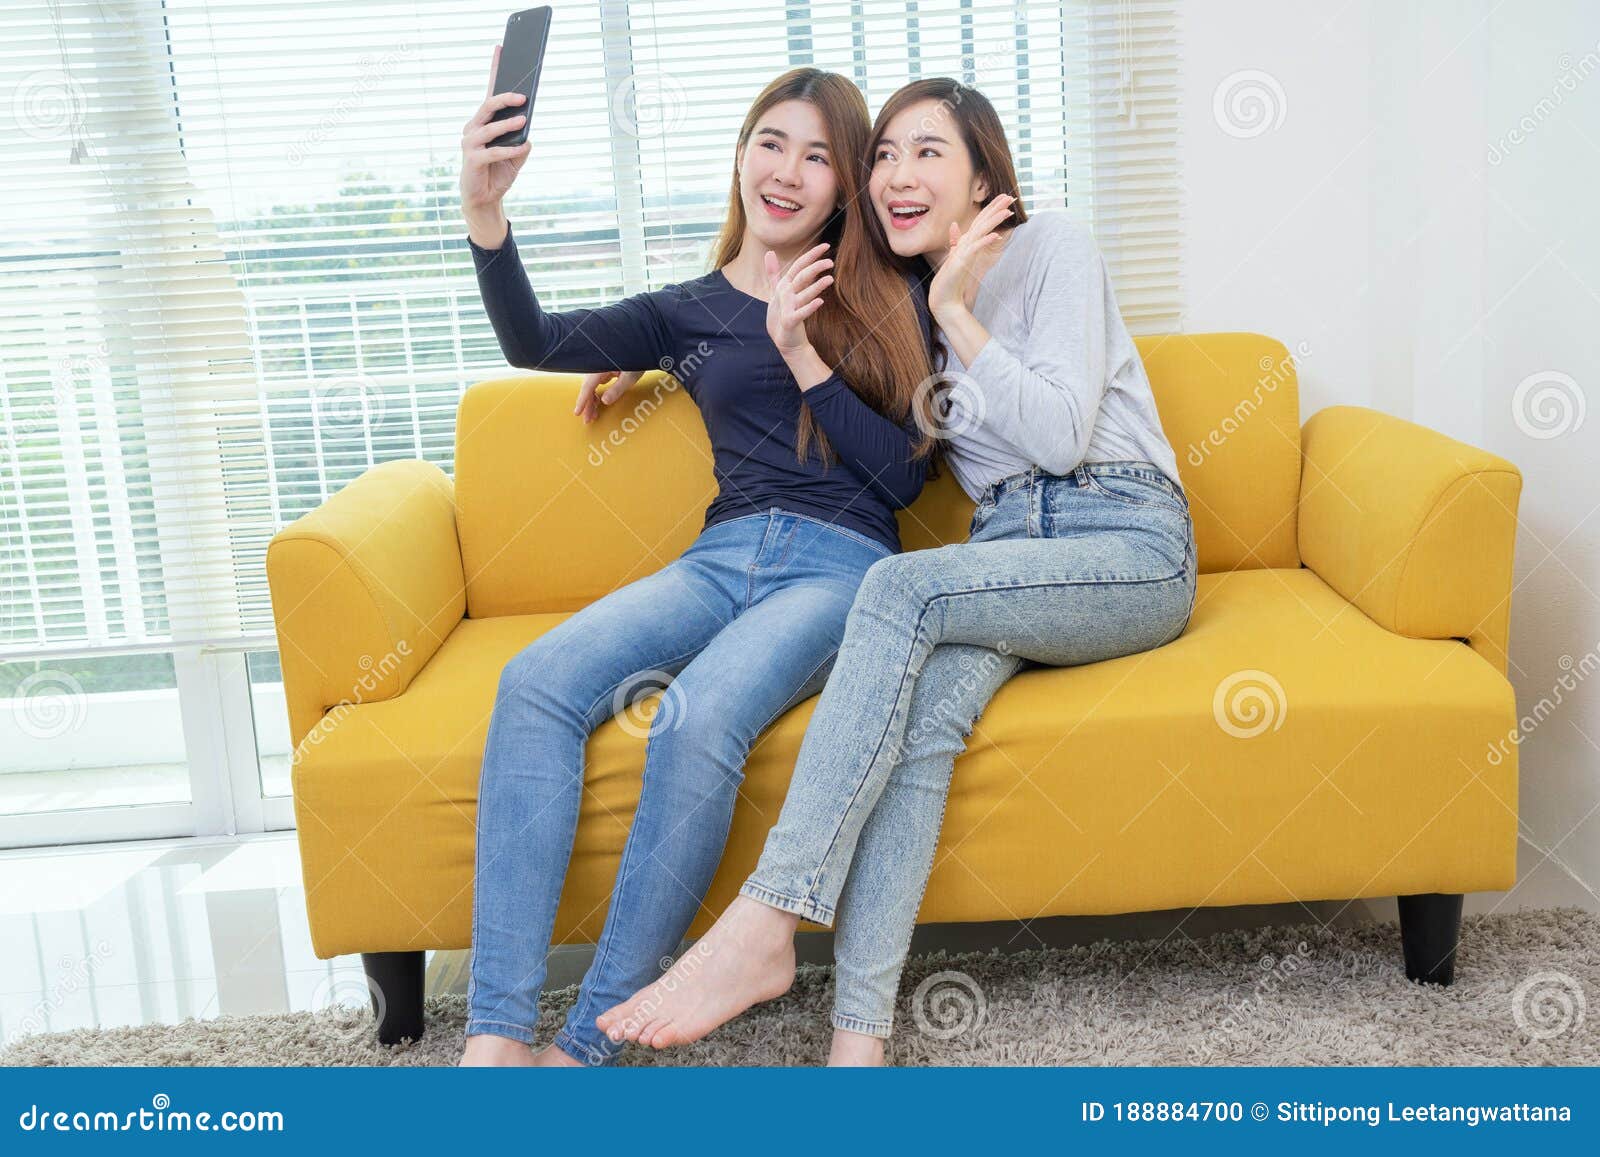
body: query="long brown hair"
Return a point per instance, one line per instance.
(985, 138)
(868, 327)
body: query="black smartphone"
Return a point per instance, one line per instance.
(521, 57)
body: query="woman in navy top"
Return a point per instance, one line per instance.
(804, 359)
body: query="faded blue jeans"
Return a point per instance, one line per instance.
(1058, 570)
(742, 626)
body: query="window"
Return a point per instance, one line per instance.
(234, 276)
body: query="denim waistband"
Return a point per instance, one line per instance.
(1079, 477)
(883, 548)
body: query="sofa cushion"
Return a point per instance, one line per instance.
(1285, 747)
(553, 513)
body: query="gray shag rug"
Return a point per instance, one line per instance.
(1287, 995)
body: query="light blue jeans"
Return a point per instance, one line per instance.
(744, 625)
(1057, 570)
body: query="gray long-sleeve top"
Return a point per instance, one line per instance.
(1060, 382)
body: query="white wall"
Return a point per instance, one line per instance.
(1430, 230)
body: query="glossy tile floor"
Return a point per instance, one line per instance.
(143, 933)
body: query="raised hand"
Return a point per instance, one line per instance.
(795, 294)
(487, 173)
(948, 290)
(591, 397)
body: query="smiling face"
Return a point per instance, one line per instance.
(923, 180)
(787, 177)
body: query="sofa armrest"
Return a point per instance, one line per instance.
(1415, 528)
(365, 588)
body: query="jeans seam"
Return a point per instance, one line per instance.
(623, 682)
(905, 948)
(802, 686)
(750, 571)
(915, 634)
(592, 1057)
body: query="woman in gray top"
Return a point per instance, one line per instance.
(1081, 549)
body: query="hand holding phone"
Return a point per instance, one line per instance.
(518, 66)
(490, 167)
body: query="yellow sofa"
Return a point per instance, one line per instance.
(1333, 724)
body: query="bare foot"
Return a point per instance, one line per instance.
(854, 1049)
(747, 957)
(485, 1050)
(551, 1057)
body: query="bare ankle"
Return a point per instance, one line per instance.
(490, 1050)
(855, 1049)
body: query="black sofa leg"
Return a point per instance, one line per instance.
(396, 981)
(1430, 926)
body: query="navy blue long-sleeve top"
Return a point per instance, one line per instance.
(713, 338)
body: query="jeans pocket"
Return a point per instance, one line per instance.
(1134, 489)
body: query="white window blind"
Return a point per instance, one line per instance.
(232, 267)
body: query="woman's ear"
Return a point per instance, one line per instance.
(980, 191)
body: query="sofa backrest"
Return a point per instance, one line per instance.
(552, 514)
